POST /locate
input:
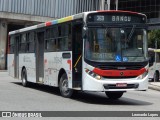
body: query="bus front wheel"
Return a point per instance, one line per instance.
(24, 78)
(114, 95)
(63, 86)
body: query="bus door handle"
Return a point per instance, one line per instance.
(66, 55)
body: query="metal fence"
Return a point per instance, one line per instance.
(49, 8)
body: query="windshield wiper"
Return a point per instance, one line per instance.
(131, 33)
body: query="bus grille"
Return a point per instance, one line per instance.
(120, 67)
(118, 77)
(113, 86)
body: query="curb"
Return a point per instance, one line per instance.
(3, 70)
(154, 87)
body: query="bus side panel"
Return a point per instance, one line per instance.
(28, 61)
(65, 62)
(50, 69)
(11, 64)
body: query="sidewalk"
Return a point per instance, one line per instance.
(3, 70)
(154, 86)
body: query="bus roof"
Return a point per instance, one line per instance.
(121, 11)
(157, 50)
(153, 50)
(69, 18)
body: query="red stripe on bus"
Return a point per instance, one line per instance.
(48, 23)
(117, 11)
(117, 73)
(70, 64)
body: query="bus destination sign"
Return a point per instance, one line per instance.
(121, 18)
(113, 18)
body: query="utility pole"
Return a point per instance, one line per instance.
(108, 4)
(155, 56)
(116, 4)
(102, 4)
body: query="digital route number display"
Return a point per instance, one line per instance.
(116, 18)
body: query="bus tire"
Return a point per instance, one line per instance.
(114, 95)
(63, 86)
(24, 78)
(156, 76)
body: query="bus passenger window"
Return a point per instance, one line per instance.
(51, 45)
(31, 42)
(59, 45)
(48, 34)
(23, 47)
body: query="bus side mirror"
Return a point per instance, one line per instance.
(84, 36)
(85, 32)
(150, 64)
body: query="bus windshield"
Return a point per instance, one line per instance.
(115, 44)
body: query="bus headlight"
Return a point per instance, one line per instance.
(143, 75)
(94, 75)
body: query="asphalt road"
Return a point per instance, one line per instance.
(15, 97)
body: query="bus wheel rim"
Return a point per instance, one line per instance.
(65, 86)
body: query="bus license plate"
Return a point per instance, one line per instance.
(121, 85)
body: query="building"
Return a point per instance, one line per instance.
(16, 14)
(149, 7)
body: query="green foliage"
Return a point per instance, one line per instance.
(152, 37)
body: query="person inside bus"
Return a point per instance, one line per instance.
(99, 45)
(87, 49)
(103, 43)
(124, 42)
(108, 42)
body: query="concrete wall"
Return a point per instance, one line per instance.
(23, 17)
(49, 8)
(29, 12)
(3, 43)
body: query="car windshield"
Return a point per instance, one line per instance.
(116, 44)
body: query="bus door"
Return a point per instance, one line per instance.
(16, 57)
(40, 57)
(77, 53)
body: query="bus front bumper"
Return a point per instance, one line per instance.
(127, 84)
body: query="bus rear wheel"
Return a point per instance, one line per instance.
(24, 78)
(63, 86)
(114, 95)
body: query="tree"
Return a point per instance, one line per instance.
(152, 37)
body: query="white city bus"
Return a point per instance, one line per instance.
(154, 64)
(101, 51)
